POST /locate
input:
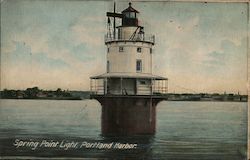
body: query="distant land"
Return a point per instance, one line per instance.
(59, 94)
(36, 93)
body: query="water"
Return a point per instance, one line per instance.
(185, 130)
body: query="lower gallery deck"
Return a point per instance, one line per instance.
(128, 86)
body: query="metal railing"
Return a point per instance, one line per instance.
(137, 38)
(160, 86)
(97, 86)
(157, 87)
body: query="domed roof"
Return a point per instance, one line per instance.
(130, 9)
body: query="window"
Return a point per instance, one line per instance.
(130, 15)
(138, 65)
(142, 82)
(151, 50)
(127, 14)
(139, 49)
(120, 49)
(108, 67)
(108, 50)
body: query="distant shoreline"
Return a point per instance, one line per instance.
(47, 98)
(78, 98)
(59, 94)
(36, 93)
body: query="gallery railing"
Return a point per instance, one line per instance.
(145, 38)
(158, 87)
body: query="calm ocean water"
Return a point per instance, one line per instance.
(185, 130)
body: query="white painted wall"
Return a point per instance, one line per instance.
(125, 61)
(143, 89)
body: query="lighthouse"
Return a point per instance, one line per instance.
(128, 92)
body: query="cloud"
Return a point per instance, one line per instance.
(231, 59)
(198, 57)
(22, 69)
(84, 32)
(222, 70)
(22, 54)
(61, 44)
(54, 45)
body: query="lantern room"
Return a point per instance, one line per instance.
(130, 16)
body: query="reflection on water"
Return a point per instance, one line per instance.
(185, 130)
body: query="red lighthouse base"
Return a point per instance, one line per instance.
(128, 115)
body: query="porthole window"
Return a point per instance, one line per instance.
(139, 49)
(121, 49)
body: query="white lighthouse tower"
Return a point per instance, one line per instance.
(128, 91)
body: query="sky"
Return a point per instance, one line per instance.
(200, 47)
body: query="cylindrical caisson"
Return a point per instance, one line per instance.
(128, 115)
